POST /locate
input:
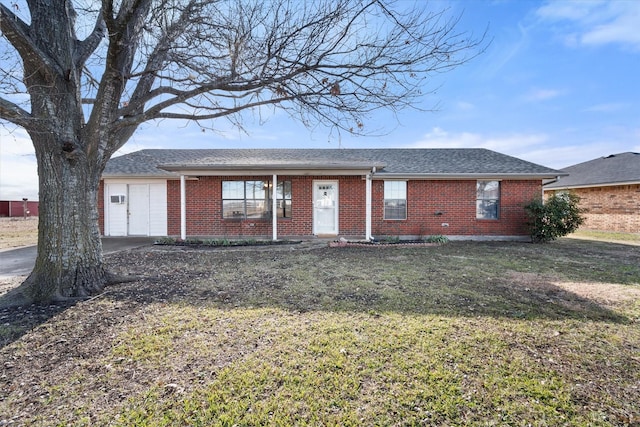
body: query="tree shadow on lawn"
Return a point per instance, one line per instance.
(433, 281)
(406, 281)
(499, 300)
(17, 321)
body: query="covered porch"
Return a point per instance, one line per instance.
(251, 194)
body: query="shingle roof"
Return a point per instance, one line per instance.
(425, 162)
(610, 170)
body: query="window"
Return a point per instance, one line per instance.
(253, 199)
(283, 199)
(487, 199)
(395, 200)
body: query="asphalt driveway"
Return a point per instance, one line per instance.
(20, 261)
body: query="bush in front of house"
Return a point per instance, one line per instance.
(437, 238)
(558, 216)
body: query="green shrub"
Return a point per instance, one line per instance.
(558, 216)
(165, 241)
(437, 238)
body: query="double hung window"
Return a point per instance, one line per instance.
(395, 200)
(487, 199)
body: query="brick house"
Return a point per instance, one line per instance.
(609, 188)
(281, 193)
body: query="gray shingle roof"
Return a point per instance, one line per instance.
(609, 170)
(425, 162)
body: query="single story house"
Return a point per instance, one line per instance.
(609, 189)
(284, 193)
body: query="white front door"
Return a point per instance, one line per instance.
(325, 207)
(138, 210)
(115, 209)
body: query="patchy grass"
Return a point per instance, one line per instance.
(460, 334)
(607, 236)
(16, 232)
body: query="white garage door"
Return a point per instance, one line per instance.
(136, 209)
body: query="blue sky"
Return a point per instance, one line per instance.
(558, 85)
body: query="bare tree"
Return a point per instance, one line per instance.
(86, 74)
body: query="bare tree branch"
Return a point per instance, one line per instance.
(14, 114)
(88, 46)
(16, 32)
(254, 51)
(125, 31)
(325, 62)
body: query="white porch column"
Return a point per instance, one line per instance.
(183, 208)
(274, 208)
(368, 207)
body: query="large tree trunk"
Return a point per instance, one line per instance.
(69, 263)
(71, 154)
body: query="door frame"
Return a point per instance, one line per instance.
(145, 209)
(316, 184)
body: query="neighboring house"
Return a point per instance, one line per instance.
(19, 208)
(407, 193)
(609, 188)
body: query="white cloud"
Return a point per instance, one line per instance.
(539, 148)
(621, 30)
(513, 144)
(574, 11)
(542, 94)
(607, 108)
(596, 23)
(465, 106)
(18, 167)
(504, 49)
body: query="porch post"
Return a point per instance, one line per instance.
(274, 208)
(368, 207)
(183, 208)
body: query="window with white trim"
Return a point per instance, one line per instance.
(487, 199)
(395, 200)
(253, 199)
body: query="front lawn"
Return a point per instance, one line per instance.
(465, 333)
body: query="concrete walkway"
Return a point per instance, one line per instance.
(20, 261)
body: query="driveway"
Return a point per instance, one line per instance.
(20, 261)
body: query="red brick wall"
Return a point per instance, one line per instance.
(454, 198)
(352, 204)
(204, 209)
(613, 208)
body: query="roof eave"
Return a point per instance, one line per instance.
(269, 169)
(519, 176)
(139, 176)
(576, 186)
